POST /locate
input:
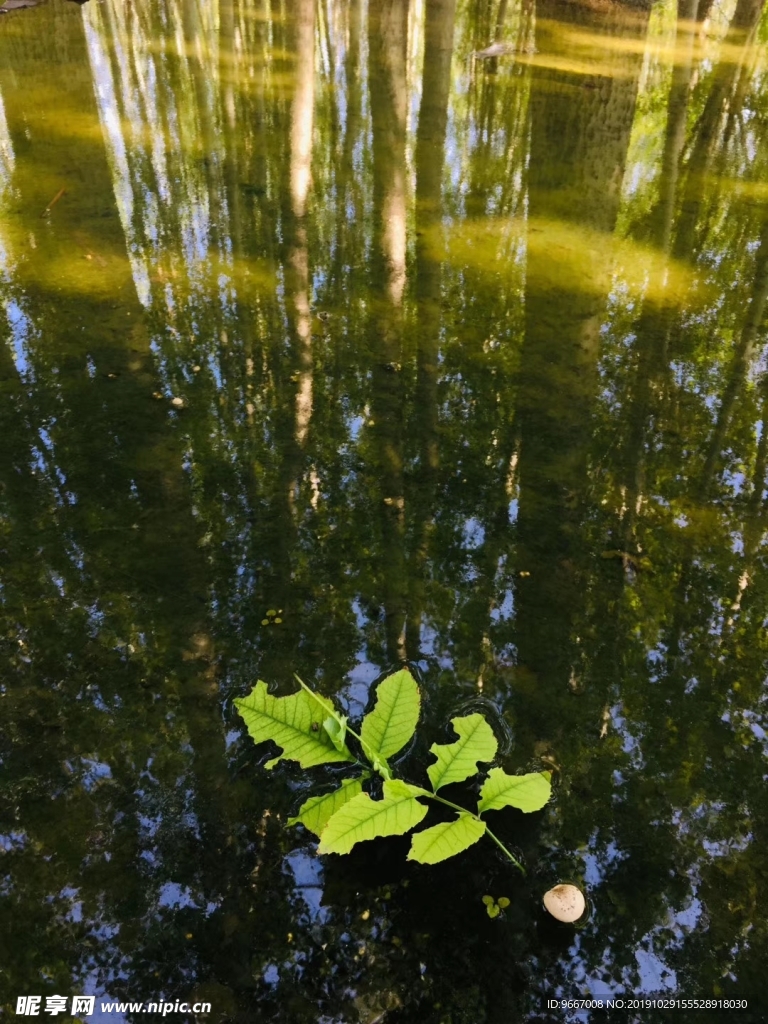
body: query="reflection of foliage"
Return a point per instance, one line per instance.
(581, 511)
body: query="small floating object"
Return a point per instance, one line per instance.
(565, 903)
(494, 907)
(496, 50)
(13, 5)
(18, 5)
(177, 403)
(501, 49)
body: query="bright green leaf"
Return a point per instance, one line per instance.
(363, 818)
(494, 910)
(335, 724)
(293, 723)
(457, 761)
(316, 811)
(380, 765)
(503, 902)
(526, 792)
(390, 725)
(337, 730)
(488, 901)
(446, 840)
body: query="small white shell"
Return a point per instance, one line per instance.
(565, 903)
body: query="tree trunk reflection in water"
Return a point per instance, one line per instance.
(131, 539)
(302, 107)
(430, 152)
(727, 74)
(654, 321)
(387, 41)
(579, 138)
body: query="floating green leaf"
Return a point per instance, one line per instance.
(526, 792)
(363, 818)
(446, 840)
(457, 761)
(309, 729)
(294, 723)
(494, 908)
(390, 725)
(316, 811)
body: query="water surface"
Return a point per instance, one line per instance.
(446, 358)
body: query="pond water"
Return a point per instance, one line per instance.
(330, 342)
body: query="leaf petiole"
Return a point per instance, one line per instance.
(463, 810)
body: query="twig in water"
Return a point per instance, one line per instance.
(53, 202)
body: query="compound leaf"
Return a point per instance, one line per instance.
(390, 725)
(446, 840)
(457, 761)
(315, 812)
(363, 818)
(294, 723)
(527, 792)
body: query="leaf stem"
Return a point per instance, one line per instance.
(463, 810)
(366, 750)
(504, 850)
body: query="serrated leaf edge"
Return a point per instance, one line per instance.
(460, 744)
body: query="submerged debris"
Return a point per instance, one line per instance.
(18, 5)
(499, 49)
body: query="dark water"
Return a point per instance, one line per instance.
(451, 359)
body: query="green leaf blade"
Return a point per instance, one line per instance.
(446, 839)
(315, 813)
(458, 761)
(525, 792)
(363, 818)
(392, 723)
(294, 723)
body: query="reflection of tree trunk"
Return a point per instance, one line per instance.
(579, 140)
(294, 413)
(196, 53)
(354, 105)
(387, 39)
(430, 146)
(677, 109)
(754, 520)
(742, 357)
(302, 112)
(703, 9)
(653, 324)
(229, 118)
(113, 444)
(708, 138)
